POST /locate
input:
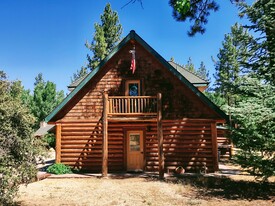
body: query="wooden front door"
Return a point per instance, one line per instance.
(135, 156)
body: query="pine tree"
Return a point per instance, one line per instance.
(45, 98)
(190, 66)
(254, 112)
(106, 36)
(79, 73)
(230, 65)
(254, 134)
(262, 17)
(196, 11)
(202, 72)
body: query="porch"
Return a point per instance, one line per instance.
(128, 107)
(99, 145)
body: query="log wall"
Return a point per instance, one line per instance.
(81, 144)
(187, 143)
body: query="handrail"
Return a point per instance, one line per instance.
(132, 105)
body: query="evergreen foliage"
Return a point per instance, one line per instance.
(262, 17)
(254, 134)
(231, 58)
(245, 75)
(79, 73)
(17, 145)
(196, 11)
(45, 98)
(106, 36)
(202, 72)
(230, 65)
(190, 66)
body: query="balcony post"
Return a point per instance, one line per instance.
(105, 136)
(160, 136)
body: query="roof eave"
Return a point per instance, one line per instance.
(181, 77)
(89, 76)
(136, 37)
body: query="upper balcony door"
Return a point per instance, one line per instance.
(132, 88)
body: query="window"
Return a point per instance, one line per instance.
(132, 88)
(134, 141)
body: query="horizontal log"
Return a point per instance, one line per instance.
(74, 155)
(186, 142)
(82, 116)
(81, 125)
(83, 143)
(115, 134)
(88, 138)
(81, 129)
(186, 124)
(78, 133)
(67, 151)
(91, 141)
(171, 130)
(89, 147)
(187, 161)
(190, 120)
(77, 155)
(179, 144)
(182, 134)
(83, 164)
(90, 160)
(79, 121)
(187, 155)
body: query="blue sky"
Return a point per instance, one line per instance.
(48, 36)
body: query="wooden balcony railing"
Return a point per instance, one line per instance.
(132, 105)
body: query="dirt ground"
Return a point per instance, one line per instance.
(146, 191)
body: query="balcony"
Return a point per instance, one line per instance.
(132, 105)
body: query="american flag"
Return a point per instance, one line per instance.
(133, 61)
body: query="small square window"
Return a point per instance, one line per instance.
(132, 88)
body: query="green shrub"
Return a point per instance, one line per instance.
(59, 169)
(50, 140)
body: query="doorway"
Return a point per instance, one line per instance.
(135, 153)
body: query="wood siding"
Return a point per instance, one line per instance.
(187, 143)
(189, 133)
(177, 99)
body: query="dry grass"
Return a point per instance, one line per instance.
(143, 191)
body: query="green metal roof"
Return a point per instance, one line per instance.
(133, 36)
(76, 82)
(191, 77)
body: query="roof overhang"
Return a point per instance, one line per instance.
(132, 36)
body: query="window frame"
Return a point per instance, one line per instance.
(128, 82)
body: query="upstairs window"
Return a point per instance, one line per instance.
(132, 88)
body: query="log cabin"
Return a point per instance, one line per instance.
(136, 112)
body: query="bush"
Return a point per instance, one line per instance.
(50, 140)
(59, 169)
